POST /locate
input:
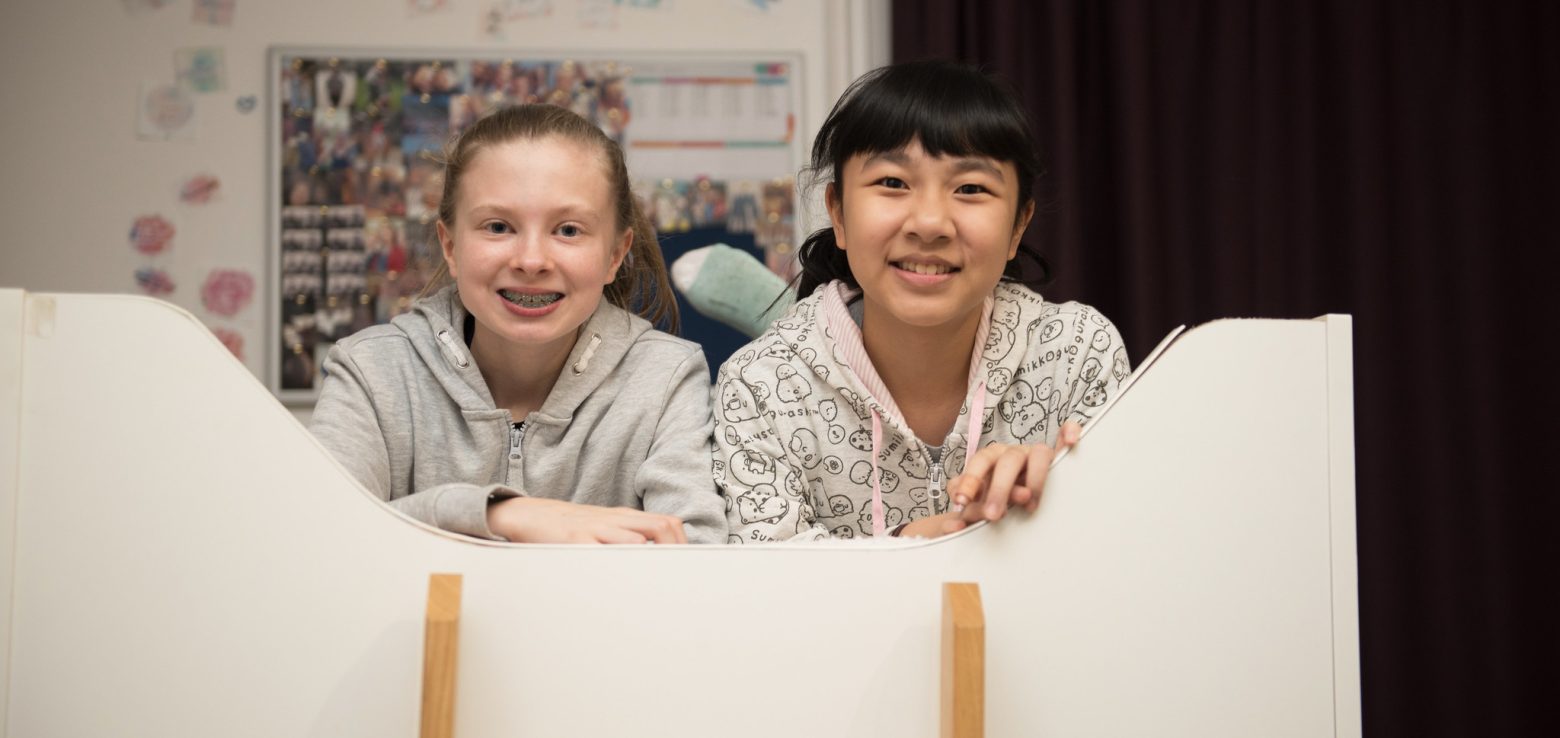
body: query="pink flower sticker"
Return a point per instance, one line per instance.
(233, 340)
(227, 291)
(199, 189)
(150, 234)
(153, 281)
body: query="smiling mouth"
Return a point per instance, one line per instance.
(924, 268)
(530, 301)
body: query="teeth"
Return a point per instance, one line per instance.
(925, 268)
(530, 301)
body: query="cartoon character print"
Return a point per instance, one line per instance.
(861, 473)
(751, 468)
(1100, 341)
(735, 406)
(1095, 396)
(732, 437)
(923, 503)
(836, 435)
(840, 506)
(913, 463)
(1091, 370)
(762, 504)
(861, 440)
(718, 470)
(828, 410)
(789, 386)
(892, 517)
(1051, 331)
(997, 380)
(1000, 338)
(842, 531)
(1022, 410)
(804, 448)
(833, 465)
(856, 402)
(1119, 368)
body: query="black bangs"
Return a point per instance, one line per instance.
(954, 110)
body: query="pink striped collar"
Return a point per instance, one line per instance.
(850, 349)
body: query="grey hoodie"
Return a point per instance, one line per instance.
(406, 410)
(804, 424)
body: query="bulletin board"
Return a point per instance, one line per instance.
(357, 140)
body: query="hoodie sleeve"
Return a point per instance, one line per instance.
(347, 422)
(764, 498)
(672, 479)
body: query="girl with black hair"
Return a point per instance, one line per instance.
(921, 383)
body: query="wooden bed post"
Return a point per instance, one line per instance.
(963, 662)
(441, 638)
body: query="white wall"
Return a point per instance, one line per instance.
(70, 70)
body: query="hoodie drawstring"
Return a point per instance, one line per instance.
(971, 438)
(453, 348)
(590, 350)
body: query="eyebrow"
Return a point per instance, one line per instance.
(961, 164)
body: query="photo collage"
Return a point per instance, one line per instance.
(361, 144)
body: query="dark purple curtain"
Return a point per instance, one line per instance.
(1395, 161)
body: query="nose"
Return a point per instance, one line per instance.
(531, 254)
(930, 219)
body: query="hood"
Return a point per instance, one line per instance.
(436, 328)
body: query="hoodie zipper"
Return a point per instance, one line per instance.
(516, 437)
(936, 483)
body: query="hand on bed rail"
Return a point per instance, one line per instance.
(537, 520)
(998, 477)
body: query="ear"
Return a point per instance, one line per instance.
(619, 254)
(1019, 226)
(447, 245)
(831, 200)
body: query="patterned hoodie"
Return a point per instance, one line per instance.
(809, 444)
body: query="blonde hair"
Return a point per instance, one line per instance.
(641, 285)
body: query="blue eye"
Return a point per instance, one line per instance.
(569, 230)
(495, 227)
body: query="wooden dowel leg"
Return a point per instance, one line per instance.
(963, 662)
(441, 638)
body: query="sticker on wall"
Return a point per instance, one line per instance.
(139, 7)
(199, 189)
(165, 113)
(154, 281)
(213, 12)
(227, 291)
(201, 69)
(151, 234)
(233, 340)
(246, 103)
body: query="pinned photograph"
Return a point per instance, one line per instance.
(201, 69)
(166, 112)
(213, 12)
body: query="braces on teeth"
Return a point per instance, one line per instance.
(531, 301)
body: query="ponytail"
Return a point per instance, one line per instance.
(641, 285)
(822, 261)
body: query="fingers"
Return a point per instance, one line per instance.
(653, 527)
(1067, 436)
(1004, 474)
(1037, 467)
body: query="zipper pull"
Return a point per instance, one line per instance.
(516, 435)
(935, 483)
